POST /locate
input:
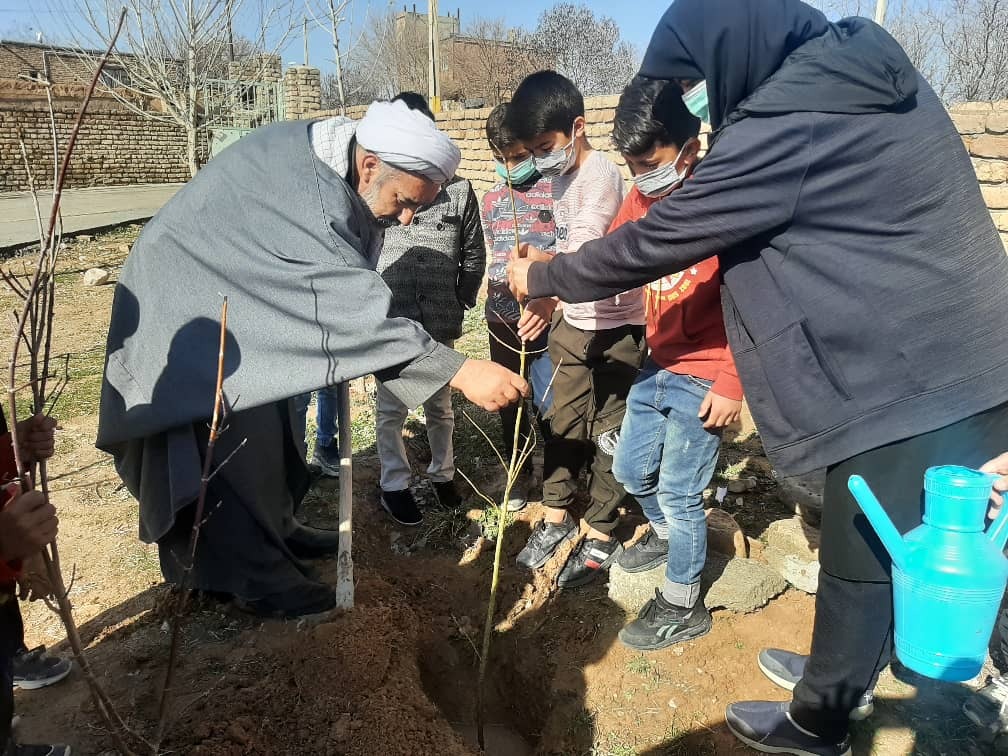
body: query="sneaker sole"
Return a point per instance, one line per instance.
(656, 562)
(604, 567)
(36, 684)
(857, 715)
(536, 565)
(696, 632)
(763, 748)
(325, 469)
(396, 519)
(517, 507)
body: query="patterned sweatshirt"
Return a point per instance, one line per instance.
(536, 226)
(435, 265)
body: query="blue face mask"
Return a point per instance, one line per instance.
(696, 102)
(519, 173)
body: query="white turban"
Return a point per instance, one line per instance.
(409, 140)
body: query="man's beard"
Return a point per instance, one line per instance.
(370, 197)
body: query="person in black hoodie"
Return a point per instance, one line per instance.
(864, 299)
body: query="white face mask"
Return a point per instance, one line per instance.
(661, 180)
(557, 162)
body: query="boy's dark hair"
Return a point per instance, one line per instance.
(544, 101)
(415, 101)
(497, 132)
(651, 111)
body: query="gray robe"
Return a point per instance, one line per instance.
(290, 243)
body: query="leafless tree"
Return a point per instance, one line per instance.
(490, 60)
(589, 50)
(389, 57)
(172, 49)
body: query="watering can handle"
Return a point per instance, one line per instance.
(998, 530)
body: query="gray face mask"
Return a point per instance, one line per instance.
(661, 180)
(557, 162)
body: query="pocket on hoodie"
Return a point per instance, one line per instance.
(792, 387)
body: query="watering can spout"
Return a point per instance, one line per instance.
(879, 520)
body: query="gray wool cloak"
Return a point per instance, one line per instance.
(293, 247)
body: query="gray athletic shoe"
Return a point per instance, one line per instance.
(767, 727)
(785, 668)
(37, 669)
(988, 707)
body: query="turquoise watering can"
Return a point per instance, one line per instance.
(948, 574)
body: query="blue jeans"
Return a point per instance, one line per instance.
(326, 415)
(665, 459)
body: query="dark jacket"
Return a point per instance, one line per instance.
(865, 286)
(434, 266)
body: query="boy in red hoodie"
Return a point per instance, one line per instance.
(27, 523)
(686, 392)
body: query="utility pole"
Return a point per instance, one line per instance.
(339, 63)
(880, 11)
(230, 28)
(434, 53)
(306, 40)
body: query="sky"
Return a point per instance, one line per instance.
(636, 20)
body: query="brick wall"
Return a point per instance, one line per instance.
(115, 147)
(984, 128)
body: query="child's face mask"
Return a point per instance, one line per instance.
(661, 180)
(519, 173)
(558, 162)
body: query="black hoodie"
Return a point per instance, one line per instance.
(866, 288)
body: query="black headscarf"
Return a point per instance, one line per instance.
(736, 45)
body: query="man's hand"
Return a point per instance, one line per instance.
(528, 252)
(536, 318)
(489, 385)
(997, 466)
(518, 277)
(33, 582)
(36, 435)
(27, 523)
(719, 411)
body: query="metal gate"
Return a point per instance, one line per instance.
(233, 108)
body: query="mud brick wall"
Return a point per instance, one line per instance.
(116, 146)
(302, 92)
(984, 129)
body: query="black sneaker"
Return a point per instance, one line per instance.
(36, 669)
(660, 624)
(327, 459)
(767, 726)
(785, 668)
(402, 507)
(545, 540)
(590, 559)
(646, 553)
(448, 495)
(14, 749)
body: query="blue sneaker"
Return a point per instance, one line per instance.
(785, 668)
(767, 727)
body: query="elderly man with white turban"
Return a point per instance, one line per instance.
(287, 224)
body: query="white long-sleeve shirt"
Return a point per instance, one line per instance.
(586, 201)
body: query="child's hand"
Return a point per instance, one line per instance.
(997, 466)
(719, 411)
(27, 523)
(536, 318)
(528, 252)
(36, 435)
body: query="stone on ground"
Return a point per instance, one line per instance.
(96, 277)
(724, 534)
(793, 550)
(745, 586)
(740, 585)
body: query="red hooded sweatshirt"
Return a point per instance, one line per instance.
(685, 328)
